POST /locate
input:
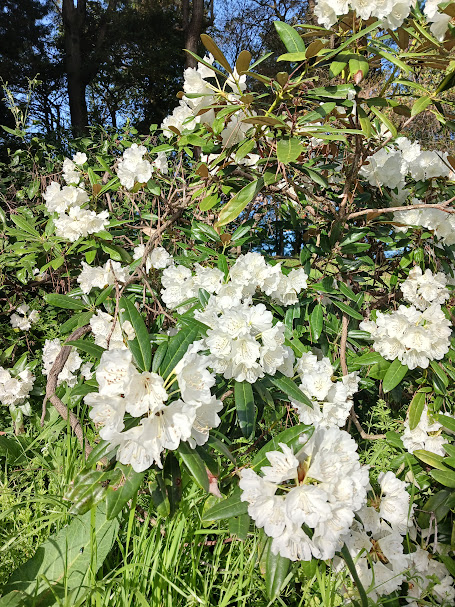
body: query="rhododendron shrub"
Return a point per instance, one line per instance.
(240, 289)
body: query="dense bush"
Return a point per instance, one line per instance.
(243, 323)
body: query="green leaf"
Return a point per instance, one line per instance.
(23, 224)
(213, 48)
(289, 387)
(158, 357)
(394, 374)
(439, 373)
(445, 477)
(173, 481)
(244, 402)
(289, 37)
(370, 358)
(288, 150)
(420, 105)
(177, 347)
(227, 508)
(438, 504)
(385, 121)
(389, 57)
(86, 490)
(447, 422)
(64, 301)
(347, 309)
(358, 63)
(239, 526)
(316, 321)
(446, 83)
(293, 57)
(118, 494)
(77, 320)
(72, 556)
(86, 346)
(353, 571)
(276, 572)
(243, 62)
(415, 409)
(237, 204)
(194, 464)
(430, 458)
(140, 345)
(289, 437)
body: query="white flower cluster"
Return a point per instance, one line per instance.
(423, 289)
(392, 12)
(426, 435)
(194, 107)
(441, 223)
(71, 173)
(332, 401)
(123, 389)
(24, 320)
(78, 221)
(243, 340)
(249, 273)
(391, 166)
(244, 343)
(158, 258)
(51, 350)
(324, 485)
(375, 540)
(412, 336)
(428, 579)
(101, 324)
(101, 276)
(15, 389)
(439, 21)
(133, 167)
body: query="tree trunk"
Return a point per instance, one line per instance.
(192, 27)
(73, 23)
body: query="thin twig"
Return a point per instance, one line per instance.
(442, 206)
(52, 385)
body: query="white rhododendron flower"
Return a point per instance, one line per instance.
(426, 435)
(101, 276)
(332, 401)
(424, 289)
(14, 389)
(80, 222)
(163, 424)
(395, 502)
(321, 486)
(133, 168)
(428, 577)
(101, 324)
(60, 199)
(441, 223)
(393, 12)
(71, 173)
(80, 158)
(412, 336)
(439, 20)
(51, 350)
(158, 258)
(24, 321)
(377, 550)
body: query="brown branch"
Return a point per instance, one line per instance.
(363, 434)
(153, 238)
(442, 206)
(51, 387)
